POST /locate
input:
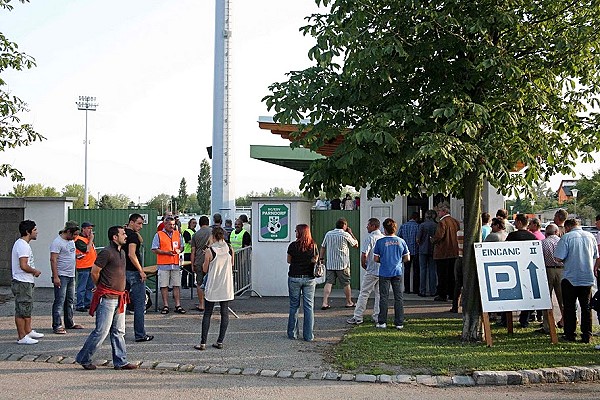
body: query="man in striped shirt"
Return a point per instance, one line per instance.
(336, 248)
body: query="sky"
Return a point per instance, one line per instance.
(149, 63)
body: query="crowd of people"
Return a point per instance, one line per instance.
(420, 257)
(425, 258)
(108, 282)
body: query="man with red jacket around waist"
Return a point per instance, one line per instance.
(108, 303)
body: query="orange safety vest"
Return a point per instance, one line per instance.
(85, 260)
(167, 243)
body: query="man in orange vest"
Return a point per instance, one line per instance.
(85, 255)
(167, 245)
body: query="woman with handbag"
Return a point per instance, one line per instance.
(302, 255)
(218, 269)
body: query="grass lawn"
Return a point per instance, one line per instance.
(433, 346)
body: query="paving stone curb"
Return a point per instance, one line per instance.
(570, 374)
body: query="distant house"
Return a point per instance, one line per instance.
(564, 190)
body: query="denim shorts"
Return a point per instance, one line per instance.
(23, 292)
(342, 275)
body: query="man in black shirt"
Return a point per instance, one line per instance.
(136, 277)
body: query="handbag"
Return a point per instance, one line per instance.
(319, 270)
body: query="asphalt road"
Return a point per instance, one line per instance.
(29, 380)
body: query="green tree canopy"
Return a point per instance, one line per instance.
(160, 203)
(203, 192)
(114, 201)
(589, 191)
(437, 96)
(182, 196)
(13, 133)
(76, 190)
(33, 190)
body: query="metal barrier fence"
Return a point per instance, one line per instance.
(242, 272)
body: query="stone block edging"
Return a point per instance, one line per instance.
(478, 378)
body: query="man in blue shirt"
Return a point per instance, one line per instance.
(390, 252)
(578, 251)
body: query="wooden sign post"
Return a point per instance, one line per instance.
(512, 277)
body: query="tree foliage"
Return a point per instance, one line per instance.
(114, 201)
(77, 191)
(203, 191)
(246, 201)
(589, 191)
(182, 196)
(437, 96)
(33, 190)
(13, 133)
(160, 203)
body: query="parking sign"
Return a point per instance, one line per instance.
(512, 276)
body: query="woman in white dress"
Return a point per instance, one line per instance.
(218, 267)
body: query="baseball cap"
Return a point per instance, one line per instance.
(86, 225)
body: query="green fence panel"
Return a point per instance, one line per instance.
(104, 219)
(323, 221)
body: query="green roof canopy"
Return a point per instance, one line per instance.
(297, 159)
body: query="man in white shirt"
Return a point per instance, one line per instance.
(23, 274)
(370, 280)
(336, 245)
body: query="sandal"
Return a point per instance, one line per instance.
(76, 326)
(218, 345)
(165, 310)
(60, 331)
(199, 309)
(179, 310)
(200, 347)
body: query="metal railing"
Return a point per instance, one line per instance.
(242, 272)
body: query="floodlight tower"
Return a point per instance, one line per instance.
(86, 103)
(222, 184)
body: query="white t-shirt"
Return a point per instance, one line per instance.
(65, 262)
(22, 249)
(367, 247)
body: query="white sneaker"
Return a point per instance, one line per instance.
(27, 340)
(35, 335)
(354, 321)
(399, 327)
(381, 326)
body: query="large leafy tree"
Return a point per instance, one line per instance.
(13, 133)
(438, 96)
(160, 203)
(203, 190)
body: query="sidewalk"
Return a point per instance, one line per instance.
(256, 340)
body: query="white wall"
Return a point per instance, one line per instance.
(50, 215)
(269, 259)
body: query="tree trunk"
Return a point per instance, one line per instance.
(471, 300)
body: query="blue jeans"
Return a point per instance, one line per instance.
(428, 275)
(306, 287)
(108, 320)
(85, 284)
(137, 294)
(384, 292)
(64, 297)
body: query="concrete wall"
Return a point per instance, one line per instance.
(50, 215)
(269, 259)
(11, 214)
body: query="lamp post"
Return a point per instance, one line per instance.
(86, 103)
(575, 191)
